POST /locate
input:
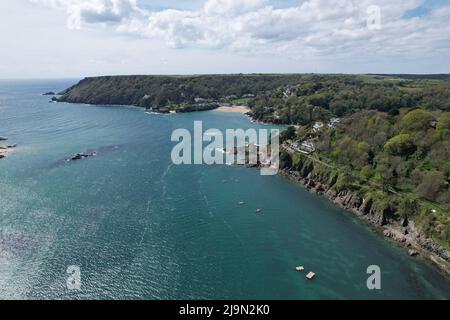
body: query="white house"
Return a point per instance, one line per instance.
(334, 122)
(308, 146)
(318, 126)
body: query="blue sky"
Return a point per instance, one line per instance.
(425, 8)
(77, 38)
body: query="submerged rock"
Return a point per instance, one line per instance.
(80, 156)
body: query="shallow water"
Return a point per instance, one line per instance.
(142, 228)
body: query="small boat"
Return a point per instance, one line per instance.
(310, 276)
(300, 268)
(258, 210)
(241, 203)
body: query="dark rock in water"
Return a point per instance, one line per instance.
(413, 253)
(80, 156)
(3, 138)
(11, 146)
(50, 93)
(84, 155)
(2, 156)
(55, 99)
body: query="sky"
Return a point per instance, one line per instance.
(78, 38)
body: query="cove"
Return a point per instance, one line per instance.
(140, 227)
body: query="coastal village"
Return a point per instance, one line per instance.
(227, 103)
(308, 146)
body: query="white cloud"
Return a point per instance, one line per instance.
(312, 27)
(95, 11)
(310, 36)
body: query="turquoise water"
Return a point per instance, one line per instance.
(142, 228)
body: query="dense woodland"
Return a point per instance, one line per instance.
(392, 145)
(165, 92)
(320, 97)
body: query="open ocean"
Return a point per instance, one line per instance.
(141, 228)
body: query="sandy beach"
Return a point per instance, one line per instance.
(240, 109)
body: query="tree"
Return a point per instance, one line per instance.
(401, 145)
(285, 160)
(443, 126)
(431, 185)
(407, 208)
(288, 134)
(416, 120)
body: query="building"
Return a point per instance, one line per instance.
(308, 146)
(200, 100)
(334, 122)
(318, 126)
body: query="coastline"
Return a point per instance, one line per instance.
(402, 232)
(3, 153)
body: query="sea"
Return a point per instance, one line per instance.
(127, 223)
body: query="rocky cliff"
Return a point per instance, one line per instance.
(382, 219)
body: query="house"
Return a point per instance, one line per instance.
(318, 126)
(231, 97)
(308, 146)
(334, 122)
(288, 91)
(248, 95)
(200, 100)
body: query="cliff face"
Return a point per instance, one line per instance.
(383, 219)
